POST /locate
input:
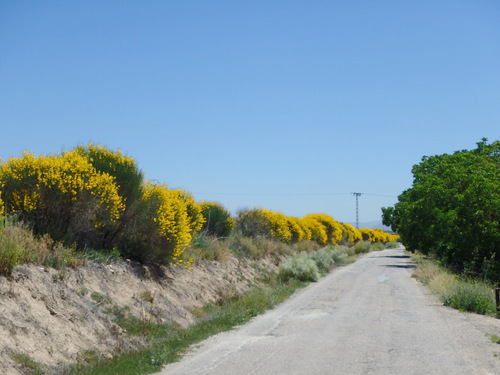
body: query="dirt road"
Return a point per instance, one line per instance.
(370, 317)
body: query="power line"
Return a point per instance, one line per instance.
(272, 194)
(291, 194)
(380, 195)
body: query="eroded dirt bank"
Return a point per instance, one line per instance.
(56, 316)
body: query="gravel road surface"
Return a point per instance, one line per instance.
(369, 317)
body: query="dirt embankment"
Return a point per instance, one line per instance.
(56, 316)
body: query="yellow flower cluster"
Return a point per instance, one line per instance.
(123, 168)
(332, 228)
(278, 225)
(351, 234)
(1, 204)
(175, 217)
(377, 235)
(31, 183)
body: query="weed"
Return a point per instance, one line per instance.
(245, 246)
(495, 339)
(62, 294)
(227, 294)
(11, 293)
(100, 335)
(460, 293)
(101, 256)
(340, 255)
(88, 357)
(362, 247)
(377, 246)
(392, 245)
(119, 313)
(99, 298)
(10, 255)
(33, 367)
(470, 295)
(323, 260)
(300, 268)
(148, 296)
(273, 247)
(306, 246)
(209, 249)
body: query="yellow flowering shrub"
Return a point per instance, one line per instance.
(351, 234)
(122, 168)
(193, 209)
(315, 228)
(332, 228)
(278, 225)
(262, 222)
(62, 195)
(298, 232)
(168, 226)
(394, 237)
(305, 228)
(377, 235)
(367, 234)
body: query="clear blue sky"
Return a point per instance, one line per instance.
(286, 105)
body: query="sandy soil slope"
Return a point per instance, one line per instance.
(54, 316)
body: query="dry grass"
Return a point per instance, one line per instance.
(18, 245)
(438, 279)
(454, 290)
(209, 249)
(442, 282)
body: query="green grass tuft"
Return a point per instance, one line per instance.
(472, 296)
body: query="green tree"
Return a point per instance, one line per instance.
(453, 209)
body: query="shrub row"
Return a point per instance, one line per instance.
(321, 228)
(95, 198)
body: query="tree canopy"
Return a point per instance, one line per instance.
(453, 209)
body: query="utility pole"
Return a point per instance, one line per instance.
(357, 211)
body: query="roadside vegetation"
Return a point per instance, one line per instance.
(452, 211)
(450, 220)
(166, 343)
(92, 200)
(93, 204)
(458, 291)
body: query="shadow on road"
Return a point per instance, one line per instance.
(395, 256)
